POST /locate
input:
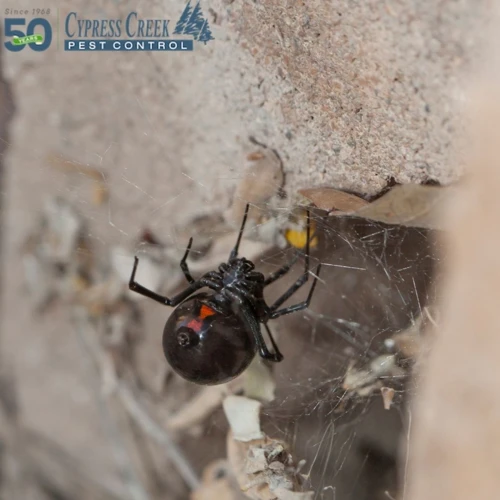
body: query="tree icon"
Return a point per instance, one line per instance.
(193, 23)
(205, 33)
(181, 23)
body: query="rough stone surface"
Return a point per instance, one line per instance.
(350, 94)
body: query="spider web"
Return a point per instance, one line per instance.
(375, 282)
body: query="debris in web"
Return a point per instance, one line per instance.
(387, 396)
(264, 467)
(265, 470)
(364, 380)
(410, 343)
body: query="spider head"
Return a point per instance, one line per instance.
(205, 345)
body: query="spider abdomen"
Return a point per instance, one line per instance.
(211, 338)
(205, 345)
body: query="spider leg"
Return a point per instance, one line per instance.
(273, 343)
(177, 299)
(297, 307)
(234, 252)
(184, 266)
(254, 326)
(250, 319)
(281, 272)
(303, 279)
(296, 286)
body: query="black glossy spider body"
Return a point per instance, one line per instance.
(211, 338)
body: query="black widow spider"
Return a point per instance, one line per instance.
(211, 338)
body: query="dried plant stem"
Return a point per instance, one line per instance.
(159, 434)
(88, 338)
(138, 413)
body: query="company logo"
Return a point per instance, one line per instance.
(130, 33)
(192, 23)
(35, 33)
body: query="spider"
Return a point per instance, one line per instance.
(210, 338)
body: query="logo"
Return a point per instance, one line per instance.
(35, 33)
(192, 23)
(129, 33)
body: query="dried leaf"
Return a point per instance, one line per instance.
(264, 468)
(332, 199)
(413, 205)
(237, 452)
(262, 179)
(243, 417)
(408, 205)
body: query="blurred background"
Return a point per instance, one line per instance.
(354, 109)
